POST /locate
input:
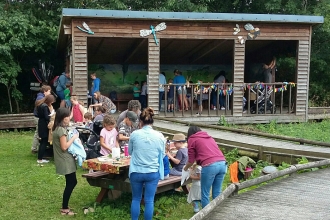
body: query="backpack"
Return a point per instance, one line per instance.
(55, 81)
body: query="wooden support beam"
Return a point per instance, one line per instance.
(208, 51)
(67, 29)
(133, 49)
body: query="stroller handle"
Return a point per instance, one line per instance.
(87, 129)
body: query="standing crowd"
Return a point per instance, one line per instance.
(151, 154)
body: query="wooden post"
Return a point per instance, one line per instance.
(153, 74)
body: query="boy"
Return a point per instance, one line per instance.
(136, 91)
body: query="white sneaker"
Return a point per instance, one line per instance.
(199, 114)
(222, 108)
(244, 111)
(42, 161)
(214, 108)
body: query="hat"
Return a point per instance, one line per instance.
(132, 116)
(179, 138)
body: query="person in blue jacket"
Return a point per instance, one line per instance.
(63, 80)
(95, 86)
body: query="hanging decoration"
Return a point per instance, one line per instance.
(160, 27)
(230, 89)
(85, 29)
(252, 34)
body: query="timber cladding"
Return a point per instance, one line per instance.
(191, 29)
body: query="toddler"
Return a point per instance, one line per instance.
(88, 120)
(170, 97)
(108, 135)
(194, 195)
(180, 159)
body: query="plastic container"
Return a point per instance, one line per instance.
(126, 150)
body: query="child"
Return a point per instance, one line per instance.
(198, 91)
(136, 91)
(194, 195)
(166, 162)
(170, 97)
(67, 97)
(143, 95)
(88, 120)
(125, 128)
(108, 135)
(181, 156)
(51, 124)
(77, 111)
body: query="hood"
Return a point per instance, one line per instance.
(40, 95)
(200, 134)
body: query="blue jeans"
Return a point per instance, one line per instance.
(150, 182)
(212, 175)
(222, 99)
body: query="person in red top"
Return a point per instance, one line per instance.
(203, 150)
(77, 112)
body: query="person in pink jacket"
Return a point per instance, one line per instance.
(203, 150)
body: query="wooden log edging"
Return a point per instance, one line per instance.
(233, 188)
(241, 131)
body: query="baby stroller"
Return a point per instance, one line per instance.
(263, 100)
(92, 145)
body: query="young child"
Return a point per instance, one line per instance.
(136, 91)
(166, 162)
(181, 156)
(198, 91)
(51, 124)
(67, 97)
(143, 95)
(77, 111)
(88, 120)
(194, 195)
(170, 97)
(108, 136)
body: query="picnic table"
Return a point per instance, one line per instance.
(111, 175)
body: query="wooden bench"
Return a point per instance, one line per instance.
(122, 100)
(113, 187)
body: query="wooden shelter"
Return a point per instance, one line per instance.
(189, 38)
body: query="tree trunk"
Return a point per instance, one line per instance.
(9, 99)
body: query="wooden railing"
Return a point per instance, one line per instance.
(258, 98)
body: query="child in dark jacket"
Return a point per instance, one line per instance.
(180, 159)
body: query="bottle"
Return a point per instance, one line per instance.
(126, 150)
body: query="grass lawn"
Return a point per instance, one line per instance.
(317, 131)
(29, 191)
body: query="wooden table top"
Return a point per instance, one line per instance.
(107, 164)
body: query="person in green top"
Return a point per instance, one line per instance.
(136, 91)
(67, 96)
(64, 162)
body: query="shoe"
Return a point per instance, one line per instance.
(168, 110)
(223, 108)
(34, 151)
(244, 111)
(67, 212)
(171, 110)
(196, 207)
(42, 161)
(214, 108)
(199, 114)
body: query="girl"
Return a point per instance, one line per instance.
(181, 156)
(108, 135)
(77, 111)
(64, 162)
(194, 195)
(42, 107)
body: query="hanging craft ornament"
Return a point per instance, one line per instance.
(241, 40)
(160, 27)
(236, 29)
(85, 29)
(253, 32)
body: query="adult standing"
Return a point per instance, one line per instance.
(147, 149)
(203, 149)
(63, 81)
(162, 82)
(95, 86)
(220, 79)
(181, 89)
(44, 91)
(267, 71)
(133, 105)
(42, 107)
(64, 161)
(105, 102)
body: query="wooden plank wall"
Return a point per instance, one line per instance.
(79, 63)
(153, 74)
(238, 78)
(191, 30)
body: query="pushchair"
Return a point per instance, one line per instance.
(263, 100)
(92, 145)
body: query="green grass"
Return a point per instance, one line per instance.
(29, 191)
(317, 131)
